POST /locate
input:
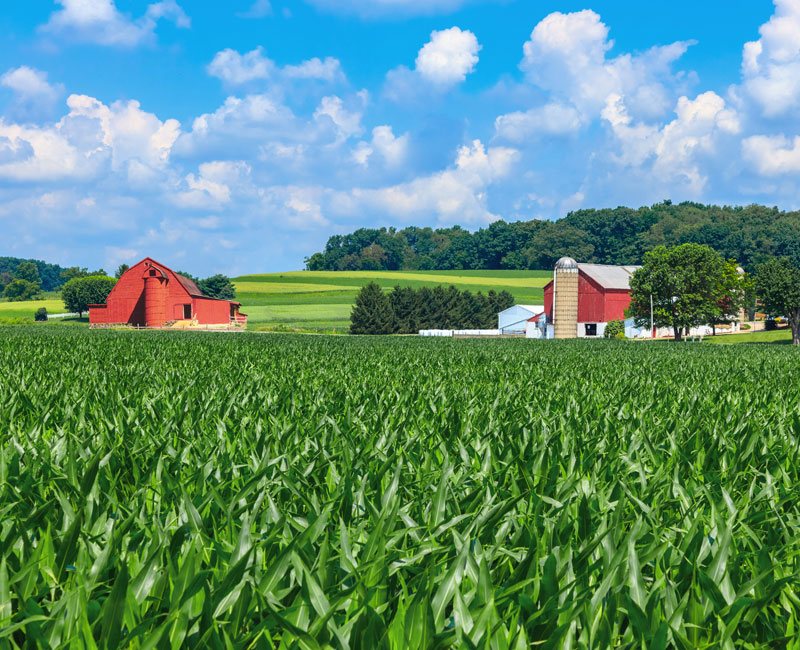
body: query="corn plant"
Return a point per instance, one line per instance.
(171, 490)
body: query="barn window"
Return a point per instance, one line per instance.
(591, 329)
(187, 311)
(152, 272)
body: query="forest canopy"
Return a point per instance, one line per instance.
(751, 235)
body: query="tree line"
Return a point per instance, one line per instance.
(405, 310)
(751, 235)
(31, 277)
(49, 275)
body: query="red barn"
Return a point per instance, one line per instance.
(151, 295)
(602, 294)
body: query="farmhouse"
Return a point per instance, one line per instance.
(151, 295)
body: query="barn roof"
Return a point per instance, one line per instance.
(189, 285)
(609, 276)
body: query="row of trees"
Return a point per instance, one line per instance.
(216, 286)
(689, 285)
(751, 235)
(49, 275)
(405, 310)
(24, 284)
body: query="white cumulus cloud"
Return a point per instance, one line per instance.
(91, 138)
(550, 119)
(236, 69)
(772, 155)
(100, 22)
(676, 148)
(455, 195)
(448, 57)
(393, 150)
(348, 122)
(567, 55)
(771, 65)
(34, 97)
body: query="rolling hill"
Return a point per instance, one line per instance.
(322, 300)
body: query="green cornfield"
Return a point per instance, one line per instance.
(174, 490)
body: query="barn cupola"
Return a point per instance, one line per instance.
(155, 295)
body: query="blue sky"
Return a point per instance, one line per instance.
(237, 137)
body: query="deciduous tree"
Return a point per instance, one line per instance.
(79, 293)
(19, 289)
(686, 283)
(778, 287)
(28, 271)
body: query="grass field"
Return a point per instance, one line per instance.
(322, 300)
(278, 491)
(27, 308)
(776, 336)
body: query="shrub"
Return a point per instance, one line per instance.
(41, 314)
(614, 329)
(770, 324)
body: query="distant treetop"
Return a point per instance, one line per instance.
(750, 235)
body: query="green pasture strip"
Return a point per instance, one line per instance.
(297, 313)
(484, 279)
(288, 287)
(214, 490)
(328, 296)
(774, 336)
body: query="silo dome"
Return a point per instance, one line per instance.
(566, 263)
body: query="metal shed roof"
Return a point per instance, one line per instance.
(609, 276)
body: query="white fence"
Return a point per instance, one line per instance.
(459, 332)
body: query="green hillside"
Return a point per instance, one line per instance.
(322, 300)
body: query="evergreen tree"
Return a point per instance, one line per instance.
(424, 308)
(485, 315)
(372, 313)
(218, 286)
(404, 307)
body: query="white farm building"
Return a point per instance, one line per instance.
(514, 320)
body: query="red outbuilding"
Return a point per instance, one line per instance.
(151, 295)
